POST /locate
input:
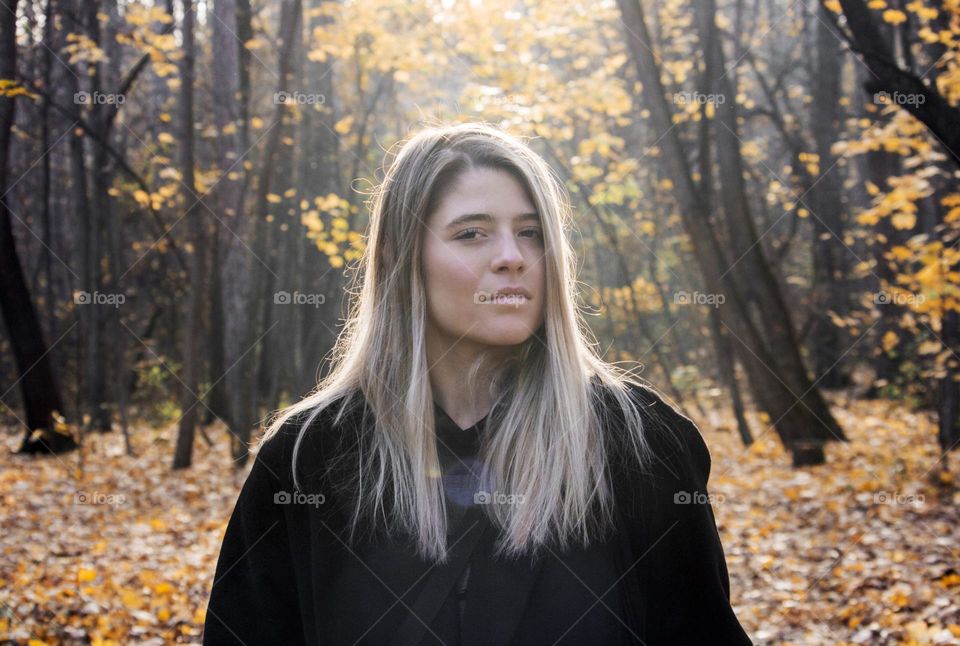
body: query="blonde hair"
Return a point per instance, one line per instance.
(544, 437)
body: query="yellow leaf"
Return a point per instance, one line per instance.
(273, 198)
(904, 221)
(949, 581)
(868, 218)
(927, 35)
(900, 252)
(343, 126)
(86, 574)
(165, 138)
(894, 16)
(131, 599)
(890, 340)
(899, 599)
(929, 276)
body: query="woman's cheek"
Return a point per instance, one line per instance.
(460, 279)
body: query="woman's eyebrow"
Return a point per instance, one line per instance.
(486, 217)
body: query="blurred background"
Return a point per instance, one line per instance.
(767, 213)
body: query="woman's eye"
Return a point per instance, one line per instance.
(470, 234)
(467, 234)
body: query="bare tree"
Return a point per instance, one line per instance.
(193, 329)
(41, 397)
(236, 274)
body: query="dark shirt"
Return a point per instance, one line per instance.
(578, 584)
(289, 571)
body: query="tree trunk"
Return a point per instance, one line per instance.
(41, 398)
(193, 325)
(268, 236)
(767, 346)
(727, 372)
(236, 275)
(830, 256)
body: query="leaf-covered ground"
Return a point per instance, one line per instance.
(864, 550)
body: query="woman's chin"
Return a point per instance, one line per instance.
(504, 333)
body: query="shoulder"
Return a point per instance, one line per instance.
(309, 439)
(674, 441)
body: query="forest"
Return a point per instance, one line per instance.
(767, 223)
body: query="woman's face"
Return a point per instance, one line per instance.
(483, 238)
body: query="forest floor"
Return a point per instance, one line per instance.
(99, 547)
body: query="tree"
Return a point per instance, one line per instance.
(887, 76)
(41, 396)
(754, 311)
(193, 330)
(235, 272)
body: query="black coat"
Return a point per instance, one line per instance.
(288, 575)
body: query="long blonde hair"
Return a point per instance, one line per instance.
(544, 438)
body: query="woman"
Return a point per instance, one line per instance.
(470, 471)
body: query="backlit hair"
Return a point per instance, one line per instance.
(545, 440)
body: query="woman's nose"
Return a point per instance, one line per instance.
(508, 253)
